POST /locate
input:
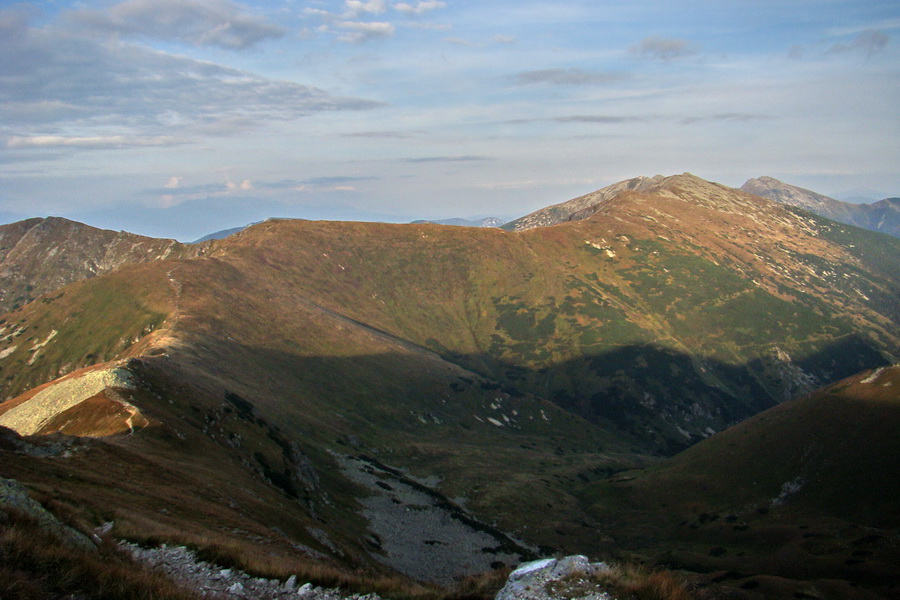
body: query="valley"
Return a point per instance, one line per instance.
(668, 371)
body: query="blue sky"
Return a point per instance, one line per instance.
(177, 118)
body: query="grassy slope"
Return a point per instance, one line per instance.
(801, 491)
(405, 340)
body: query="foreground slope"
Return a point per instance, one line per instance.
(801, 492)
(332, 379)
(882, 216)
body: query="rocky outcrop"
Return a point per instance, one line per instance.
(28, 414)
(571, 577)
(15, 497)
(581, 207)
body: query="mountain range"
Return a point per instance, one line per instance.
(883, 215)
(437, 401)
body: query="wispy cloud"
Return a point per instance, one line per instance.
(434, 159)
(600, 119)
(89, 142)
(665, 49)
(566, 77)
(58, 84)
(355, 8)
(400, 135)
(418, 8)
(743, 117)
(869, 42)
(199, 22)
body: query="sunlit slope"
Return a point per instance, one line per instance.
(38, 256)
(697, 303)
(665, 316)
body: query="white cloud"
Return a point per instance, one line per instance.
(219, 23)
(358, 7)
(243, 186)
(362, 31)
(173, 183)
(419, 7)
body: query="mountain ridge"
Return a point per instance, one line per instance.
(882, 216)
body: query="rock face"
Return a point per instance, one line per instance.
(38, 256)
(551, 579)
(39, 412)
(883, 216)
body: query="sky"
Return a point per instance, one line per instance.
(178, 118)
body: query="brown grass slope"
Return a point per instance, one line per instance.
(509, 365)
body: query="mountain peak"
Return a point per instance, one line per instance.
(684, 186)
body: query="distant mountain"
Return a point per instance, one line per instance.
(383, 397)
(220, 235)
(38, 256)
(486, 222)
(883, 216)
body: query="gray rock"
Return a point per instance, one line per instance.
(236, 588)
(291, 584)
(532, 579)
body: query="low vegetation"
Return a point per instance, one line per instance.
(34, 565)
(627, 581)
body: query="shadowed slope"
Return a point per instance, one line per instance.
(800, 491)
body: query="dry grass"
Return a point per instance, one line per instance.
(634, 582)
(34, 565)
(625, 582)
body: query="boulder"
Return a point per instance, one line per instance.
(534, 580)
